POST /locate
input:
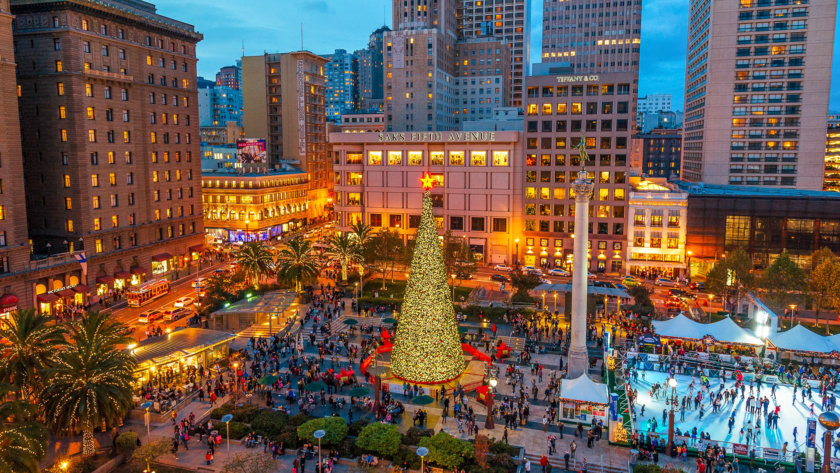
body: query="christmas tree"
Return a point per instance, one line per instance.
(427, 348)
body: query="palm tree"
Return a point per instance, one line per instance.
(255, 260)
(296, 262)
(90, 384)
(363, 234)
(344, 250)
(32, 348)
(23, 443)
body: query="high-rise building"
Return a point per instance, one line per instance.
(507, 21)
(832, 154)
(561, 110)
(593, 37)
(657, 154)
(283, 99)
(761, 122)
(219, 104)
(111, 141)
(482, 83)
(14, 239)
(370, 74)
(230, 76)
(651, 103)
(342, 93)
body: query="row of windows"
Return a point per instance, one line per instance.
(603, 177)
(561, 226)
(560, 210)
(436, 158)
(559, 193)
(250, 199)
(561, 142)
(578, 90)
(577, 108)
(170, 232)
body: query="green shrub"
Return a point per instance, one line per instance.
(414, 434)
(246, 414)
(269, 423)
(503, 448)
(357, 427)
(380, 439)
(335, 428)
(237, 430)
(298, 420)
(126, 443)
(646, 468)
(219, 412)
(289, 437)
(447, 451)
(347, 449)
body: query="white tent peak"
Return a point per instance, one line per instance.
(583, 389)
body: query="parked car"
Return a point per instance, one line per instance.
(665, 282)
(697, 286)
(499, 278)
(673, 303)
(676, 292)
(590, 276)
(503, 267)
(620, 286)
(463, 275)
(559, 272)
(150, 316)
(185, 301)
(176, 314)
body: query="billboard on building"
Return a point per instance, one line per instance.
(250, 150)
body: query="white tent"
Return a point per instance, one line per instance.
(724, 331)
(800, 338)
(835, 340)
(583, 389)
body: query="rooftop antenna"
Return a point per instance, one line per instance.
(301, 36)
(243, 47)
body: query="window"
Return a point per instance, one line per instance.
(436, 158)
(92, 136)
(394, 158)
(395, 221)
(99, 247)
(456, 223)
(478, 158)
(88, 90)
(67, 180)
(374, 158)
(415, 158)
(63, 134)
(59, 87)
(68, 203)
(94, 180)
(500, 225)
(456, 158)
(500, 158)
(96, 204)
(108, 92)
(477, 224)
(97, 224)
(375, 220)
(62, 112)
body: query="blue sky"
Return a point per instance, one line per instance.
(274, 26)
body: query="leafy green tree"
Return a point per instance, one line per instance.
(387, 247)
(23, 442)
(381, 439)
(255, 260)
(335, 428)
(821, 255)
(523, 283)
(824, 284)
(717, 278)
(90, 384)
(465, 261)
(447, 451)
(145, 454)
(641, 299)
(343, 250)
(783, 278)
(33, 343)
(296, 263)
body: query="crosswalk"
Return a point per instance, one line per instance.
(338, 325)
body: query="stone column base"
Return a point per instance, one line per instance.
(578, 362)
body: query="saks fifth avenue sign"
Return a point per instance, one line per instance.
(590, 78)
(457, 136)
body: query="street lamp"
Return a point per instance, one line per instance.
(453, 288)
(318, 434)
(146, 405)
(543, 300)
(830, 421)
(689, 253)
(422, 452)
(516, 254)
(226, 419)
(555, 302)
(488, 401)
(673, 383)
(235, 376)
(711, 298)
(792, 314)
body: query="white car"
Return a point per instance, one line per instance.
(184, 302)
(559, 272)
(502, 267)
(590, 276)
(665, 282)
(532, 270)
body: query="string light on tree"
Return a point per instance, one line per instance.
(427, 348)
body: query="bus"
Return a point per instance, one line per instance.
(147, 292)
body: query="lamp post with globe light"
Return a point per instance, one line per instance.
(422, 452)
(673, 383)
(319, 434)
(488, 401)
(830, 421)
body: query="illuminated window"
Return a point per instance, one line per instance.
(500, 158)
(478, 158)
(456, 158)
(99, 247)
(94, 180)
(436, 158)
(374, 158)
(394, 158)
(59, 87)
(415, 158)
(577, 108)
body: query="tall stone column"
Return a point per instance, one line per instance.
(578, 358)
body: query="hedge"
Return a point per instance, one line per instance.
(335, 428)
(237, 430)
(269, 423)
(126, 442)
(381, 439)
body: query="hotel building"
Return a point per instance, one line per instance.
(110, 139)
(832, 155)
(482, 70)
(561, 110)
(759, 119)
(253, 206)
(507, 21)
(478, 191)
(593, 36)
(284, 104)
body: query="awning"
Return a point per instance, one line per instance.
(47, 298)
(583, 389)
(138, 270)
(81, 289)
(196, 248)
(161, 257)
(66, 293)
(123, 275)
(8, 300)
(104, 280)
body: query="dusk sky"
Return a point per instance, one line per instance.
(274, 26)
